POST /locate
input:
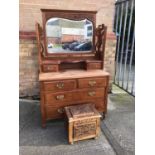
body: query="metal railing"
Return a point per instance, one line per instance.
(124, 23)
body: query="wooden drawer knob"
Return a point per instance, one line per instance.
(92, 83)
(60, 110)
(60, 97)
(91, 93)
(60, 85)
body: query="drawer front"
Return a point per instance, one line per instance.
(54, 112)
(59, 99)
(91, 94)
(59, 85)
(92, 82)
(50, 68)
(93, 65)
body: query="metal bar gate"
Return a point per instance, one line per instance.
(124, 28)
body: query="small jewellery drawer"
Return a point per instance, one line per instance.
(92, 82)
(50, 68)
(94, 65)
(59, 85)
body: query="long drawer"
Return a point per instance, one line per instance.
(60, 98)
(58, 111)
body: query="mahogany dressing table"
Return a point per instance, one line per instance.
(71, 62)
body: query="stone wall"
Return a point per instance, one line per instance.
(109, 60)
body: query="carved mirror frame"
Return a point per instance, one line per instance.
(71, 15)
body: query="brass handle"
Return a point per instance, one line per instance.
(91, 93)
(60, 97)
(92, 83)
(61, 110)
(49, 67)
(60, 85)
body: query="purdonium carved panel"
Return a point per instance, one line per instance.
(83, 122)
(82, 130)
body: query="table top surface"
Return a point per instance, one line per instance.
(71, 74)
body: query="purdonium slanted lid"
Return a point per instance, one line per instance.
(82, 110)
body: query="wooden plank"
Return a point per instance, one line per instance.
(86, 137)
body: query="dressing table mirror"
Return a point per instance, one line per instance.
(71, 57)
(68, 36)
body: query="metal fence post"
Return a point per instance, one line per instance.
(124, 30)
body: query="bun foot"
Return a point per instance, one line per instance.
(103, 116)
(95, 138)
(44, 126)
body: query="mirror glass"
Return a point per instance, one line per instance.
(69, 36)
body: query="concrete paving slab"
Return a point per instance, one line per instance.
(26, 111)
(53, 140)
(120, 122)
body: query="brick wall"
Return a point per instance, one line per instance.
(109, 60)
(28, 70)
(30, 12)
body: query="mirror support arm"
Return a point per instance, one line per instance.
(100, 36)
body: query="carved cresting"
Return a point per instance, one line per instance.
(84, 128)
(39, 34)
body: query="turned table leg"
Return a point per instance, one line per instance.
(44, 126)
